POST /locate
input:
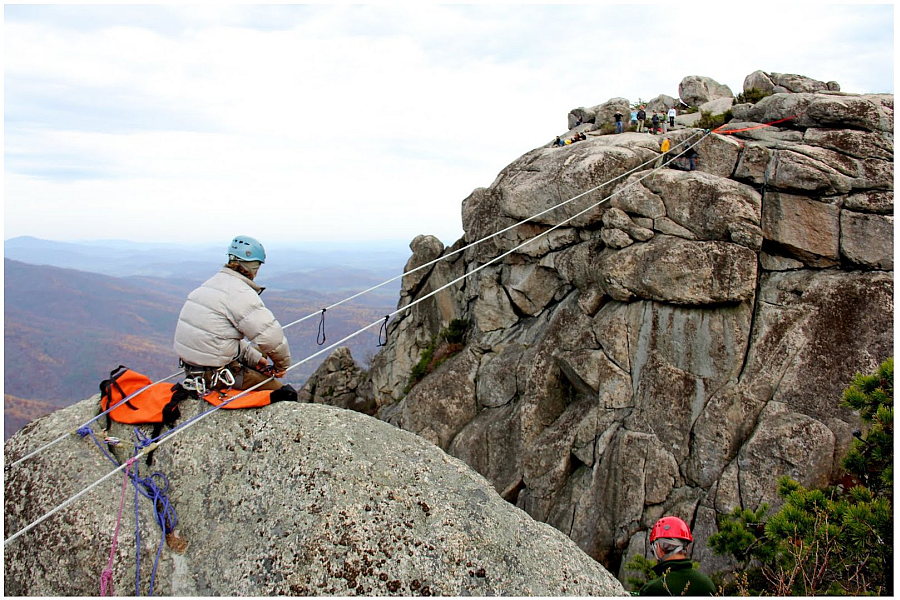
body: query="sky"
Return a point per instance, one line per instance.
(306, 123)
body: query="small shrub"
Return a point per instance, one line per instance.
(711, 121)
(751, 96)
(445, 345)
(836, 541)
(607, 128)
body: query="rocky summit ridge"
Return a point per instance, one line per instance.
(674, 350)
(671, 351)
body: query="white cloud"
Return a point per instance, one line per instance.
(321, 122)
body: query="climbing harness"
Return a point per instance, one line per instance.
(203, 379)
(157, 440)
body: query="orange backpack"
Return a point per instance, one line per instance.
(158, 403)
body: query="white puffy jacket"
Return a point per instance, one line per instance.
(217, 317)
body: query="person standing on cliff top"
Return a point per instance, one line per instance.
(669, 541)
(672, 114)
(618, 117)
(641, 117)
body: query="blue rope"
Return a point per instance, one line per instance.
(86, 430)
(163, 511)
(148, 487)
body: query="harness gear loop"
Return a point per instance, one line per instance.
(320, 336)
(383, 331)
(195, 384)
(223, 375)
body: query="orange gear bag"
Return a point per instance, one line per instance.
(254, 399)
(156, 403)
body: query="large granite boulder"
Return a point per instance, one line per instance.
(777, 83)
(292, 499)
(695, 90)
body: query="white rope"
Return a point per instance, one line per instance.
(171, 434)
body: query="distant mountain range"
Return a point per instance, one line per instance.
(66, 329)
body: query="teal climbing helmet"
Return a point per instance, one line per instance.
(246, 248)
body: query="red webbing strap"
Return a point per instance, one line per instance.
(718, 130)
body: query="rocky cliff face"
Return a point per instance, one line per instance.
(291, 499)
(676, 349)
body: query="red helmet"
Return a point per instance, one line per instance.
(671, 527)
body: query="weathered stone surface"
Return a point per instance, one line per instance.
(636, 199)
(803, 226)
(773, 262)
(798, 171)
(496, 383)
(718, 155)
(798, 83)
(661, 104)
(860, 144)
(784, 443)
(493, 310)
(491, 443)
(616, 238)
(531, 287)
(609, 512)
(336, 382)
(438, 411)
(869, 112)
(706, 205)
(881, 203)
(670, 269)
(868, 240)
(546, 177)
(669, 227)
(425, 248)
(308, 500)
(616, 218)
(718, 106)
(759, 80)
(695, 90)
(814, 331)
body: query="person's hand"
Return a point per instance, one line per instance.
(279, 373)
(262, 365)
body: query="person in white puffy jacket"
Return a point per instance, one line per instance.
(225, 331)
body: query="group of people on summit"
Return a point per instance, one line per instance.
(658, 123)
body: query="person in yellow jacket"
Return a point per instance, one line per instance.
(664, 148)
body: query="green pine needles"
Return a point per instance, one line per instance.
(837, 541)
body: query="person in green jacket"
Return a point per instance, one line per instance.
(669, 541)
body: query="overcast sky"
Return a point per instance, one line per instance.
(318, 122)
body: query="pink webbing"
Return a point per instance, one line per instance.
(106, 575)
